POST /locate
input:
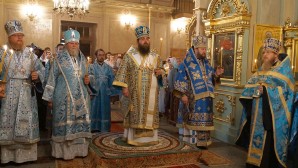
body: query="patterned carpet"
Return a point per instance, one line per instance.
(109, 150)
(116, 117)
(211, 159)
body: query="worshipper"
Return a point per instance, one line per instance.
(48, 122)
(119, 59)
(67, 93)
(42, 107)
(167, 66)
(59, 48)
(108, 54)
(138, 75)
(195, 86)
(101, 79)
(173, 100)
(112, 62)
(163, 84)
(46, 55)
(19, 132)
(267, 101)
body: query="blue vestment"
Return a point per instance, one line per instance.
(101, 79)
(279, 85)
(195, 80)
(71, 103)
(19, 130)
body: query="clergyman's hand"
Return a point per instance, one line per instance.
(260, 88)
(184, 99)
(50, 104)
(86, 80)
(125, 91)
(34, 75)
(158, 72)
(219, 71)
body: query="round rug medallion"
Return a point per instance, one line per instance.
(112, 145)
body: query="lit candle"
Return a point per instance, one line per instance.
(5, 48)
(31, 52)
(293, 68)
(221, 50)
(256, 65)
(160, 44)
(11, 53)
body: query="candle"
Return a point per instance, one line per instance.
(293, 69)
(221, 50)
(256, 65)
(160, 44)
(11, 53)
(5, 49)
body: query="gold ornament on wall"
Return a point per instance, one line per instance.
(226, 9)
(220, 106)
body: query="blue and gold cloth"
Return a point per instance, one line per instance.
(71, 102)
(279, 83)
(194, 79)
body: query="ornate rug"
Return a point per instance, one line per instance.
(211, 159)
(116, 116)
(109, 150)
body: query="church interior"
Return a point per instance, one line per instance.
(235, 31)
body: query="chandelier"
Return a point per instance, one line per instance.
(72, 7)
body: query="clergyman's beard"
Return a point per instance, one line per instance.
(200, 56)
(266, 65)
(17, 46)
(144, 49)
(73, 52)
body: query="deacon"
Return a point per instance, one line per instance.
(195, 86)
(138, 75)
(21, 70)
(101, 78)
(66, 92)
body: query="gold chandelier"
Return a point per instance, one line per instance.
(72, 7)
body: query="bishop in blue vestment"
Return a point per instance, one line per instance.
(67, 93)
(20, 68)
(195, 86)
